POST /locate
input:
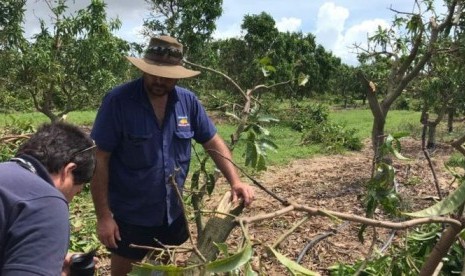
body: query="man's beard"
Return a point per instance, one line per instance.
(158, 91)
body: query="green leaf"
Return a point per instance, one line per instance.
(268, 144)
(195, 180)
(263, 130)
(146, 269)
(210, 183)
(265, 72)
(266, 119)
(261, 163)
(256, 128)
(394, 149)
(294, 267)
(401, 134)
(232, 262)
(249, 271)
(303, 79)
(232, 115)
(445, 206)
(223, 247)
(264, 61)
(250, 154)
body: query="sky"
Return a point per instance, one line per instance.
(337, 24)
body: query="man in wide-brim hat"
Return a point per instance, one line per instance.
(143, 131)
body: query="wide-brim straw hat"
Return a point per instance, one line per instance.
(163, 58)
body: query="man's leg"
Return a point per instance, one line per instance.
(121, 266)
(123, 257)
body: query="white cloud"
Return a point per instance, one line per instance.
(330, 25)
(331, 33)
(133, 34)
(357, 34)
(289, 24)
(331, 16)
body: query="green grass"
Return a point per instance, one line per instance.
(362, 120)
(288, 140)
(36, 118)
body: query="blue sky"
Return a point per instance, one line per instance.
(337, 24)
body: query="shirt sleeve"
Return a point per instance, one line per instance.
(204, 129)
(105, 128)
(38, 238)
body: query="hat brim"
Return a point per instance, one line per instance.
(162, 69)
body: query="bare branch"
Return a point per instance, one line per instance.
(178, 193)
(220, 73)
(290, 231)
(351, 217)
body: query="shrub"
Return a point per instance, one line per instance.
(312, 121)
(334, 137)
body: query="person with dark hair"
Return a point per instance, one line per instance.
(48, 170)
(143, 131)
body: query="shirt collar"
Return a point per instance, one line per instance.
(40, 169)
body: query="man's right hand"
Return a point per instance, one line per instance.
(108, 232)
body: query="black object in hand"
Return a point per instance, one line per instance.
(83, 264)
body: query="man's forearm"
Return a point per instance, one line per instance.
(222, 157)
(99, 186)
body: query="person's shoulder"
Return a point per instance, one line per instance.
(19, 185)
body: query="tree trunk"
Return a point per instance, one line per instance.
(431, 144)
(216, 230)
(432, 128)
(450, 119)
(440, 250)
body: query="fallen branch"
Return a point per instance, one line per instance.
(350, 217)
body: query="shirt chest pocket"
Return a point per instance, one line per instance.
(182, 144)
(138, 151)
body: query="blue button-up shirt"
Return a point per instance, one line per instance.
(144, 155)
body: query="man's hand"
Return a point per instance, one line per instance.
(244, 191)
(108, 232)
(65, 271)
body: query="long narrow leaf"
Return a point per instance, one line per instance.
(294, 267)
(232, 115)
(232, 262)
(395, 150)
(266, 119)
(268, 144)
(146, 269)
(445, 206)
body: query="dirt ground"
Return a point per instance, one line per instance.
(333, 183)
(336, 183)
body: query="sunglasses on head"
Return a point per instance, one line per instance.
(73, 156)
(82, 151)
(164, 52)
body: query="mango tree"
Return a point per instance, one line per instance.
(11, 18)
(70, 65)
(191, 21)
(404, 49)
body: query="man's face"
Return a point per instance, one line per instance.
(64, 182)
(158, 86)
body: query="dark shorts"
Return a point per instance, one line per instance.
(174, 234)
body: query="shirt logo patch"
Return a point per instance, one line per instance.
(182, 121)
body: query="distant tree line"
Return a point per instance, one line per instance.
(70, 64)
